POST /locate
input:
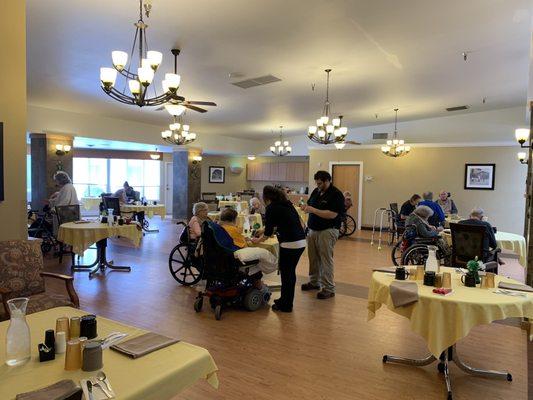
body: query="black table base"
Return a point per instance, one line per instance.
(101, 263)
(450, 355)
(144, 223)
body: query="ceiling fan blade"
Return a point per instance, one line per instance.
(351, 142)
(194, 108)
(160, 108)
(202, 103)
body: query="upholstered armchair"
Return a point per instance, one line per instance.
(22, 275)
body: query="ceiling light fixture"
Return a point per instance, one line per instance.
(281, 148)
(155, 156)
(139, 79)
(178, 133)
(251, 157)
(327, 130)
(395, 147)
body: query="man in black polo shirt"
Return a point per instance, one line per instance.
(325, 207)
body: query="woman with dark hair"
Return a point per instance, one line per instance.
(281, 216)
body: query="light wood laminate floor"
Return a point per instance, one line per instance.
(323, 350)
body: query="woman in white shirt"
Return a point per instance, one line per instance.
(66, 196)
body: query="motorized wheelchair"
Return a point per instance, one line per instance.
(228, 280)
(413, 250)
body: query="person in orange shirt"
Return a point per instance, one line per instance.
(228, 221)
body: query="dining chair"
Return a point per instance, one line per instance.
(66, 214)
(22, 275)
(467, 244)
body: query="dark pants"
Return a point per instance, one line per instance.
(288, 260)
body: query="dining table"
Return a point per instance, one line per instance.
(443, 320)
(91, 203)
(252, 218)
(159, 375)
(237, 204)
(143, 211)
(82, 234)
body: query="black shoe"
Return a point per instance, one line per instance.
(309, 286)
(322, 295)
(278, 307)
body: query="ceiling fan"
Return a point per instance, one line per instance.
(191, 105)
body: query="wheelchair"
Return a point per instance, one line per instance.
(413, 250)
(228, 282)
(183, 264)
(348, 225)
(41, 226)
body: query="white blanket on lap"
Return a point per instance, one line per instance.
(268, 262)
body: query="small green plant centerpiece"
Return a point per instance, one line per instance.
(473, 267)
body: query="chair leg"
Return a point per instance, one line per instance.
(61, 253)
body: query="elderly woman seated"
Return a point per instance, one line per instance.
(199, 211)
(256, 207)
(419, 220)
(267, 261)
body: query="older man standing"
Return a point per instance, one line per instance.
(325, 207)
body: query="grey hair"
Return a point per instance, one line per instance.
(427, 195)
(197, 207)
(62, 178)
(477, 212)
(253, 200)
(423, 212)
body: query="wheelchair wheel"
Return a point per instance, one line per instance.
(253, 300)
(348, 226)
(181, 266)
(198, 304)
(396, 253)
(218, 312)
(417, 254)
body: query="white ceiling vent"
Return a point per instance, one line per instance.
(380, 136)
(261, 80)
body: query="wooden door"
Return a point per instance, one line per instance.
(346, 178)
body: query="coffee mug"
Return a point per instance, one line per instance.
(121, 221)
(401, 274)
(429, 278)
(92, 356)
(468, 280)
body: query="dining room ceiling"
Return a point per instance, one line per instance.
(384, 54)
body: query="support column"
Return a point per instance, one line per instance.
(186, 183)
(45, 162)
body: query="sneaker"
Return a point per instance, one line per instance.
(309, 286)
(277, 307)
(322, 295)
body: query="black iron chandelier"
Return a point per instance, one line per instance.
(281, 148)
(178, 133)
(327, 129)
(139, 80)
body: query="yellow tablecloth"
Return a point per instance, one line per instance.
(271, 244)
(454, 219)
(149, 210)
(159, 375)
(303, 215)
(443, 320)
(515, 243)
(253, 218)
(81, 236)
(90, 203)
(240, 205)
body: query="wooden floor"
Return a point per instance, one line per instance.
(323, 350)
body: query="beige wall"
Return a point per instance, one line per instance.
(13, 115)
(233, 182)
(395, 180)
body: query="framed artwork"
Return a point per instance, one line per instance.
(217, 174)
(1, 161)
(479, 176)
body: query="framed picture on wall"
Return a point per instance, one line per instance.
(217, 174)
(479, 176)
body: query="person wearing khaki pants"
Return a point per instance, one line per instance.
(325, 207)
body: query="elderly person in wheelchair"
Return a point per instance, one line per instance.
(418, 235)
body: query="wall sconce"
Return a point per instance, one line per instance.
(522, 136)
(61, 149)
(522, 157)
(197, 158)
(155, 156)
(251, 157)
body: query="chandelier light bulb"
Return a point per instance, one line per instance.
(277, 143)
(135, 87)
(407, 149)
(175, 126)
(325, 120)
(285, 143)
(108, 77)
(389, 142)
(155, 58)
(185, 127)
(522, 135)
(313, 130)
(330, 129)
(340, 146)
(289, 149)
(173, 81)
(343, 130)
(272, 149)
(192, 136)
(395, 142)
(319, 122)
(146, 75)
(336, 122)
(337, 133)
(321, 133)
(176, 136)
(401, 141)
(175, 109)
(120, 59)
(385, 149)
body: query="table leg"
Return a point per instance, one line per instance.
(101, 263)
(91, 268)
(145, 224)
(479, 372)
(410, 361)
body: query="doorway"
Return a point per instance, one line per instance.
(168, 187)
(347, 176)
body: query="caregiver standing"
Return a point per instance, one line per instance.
(280, 215)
